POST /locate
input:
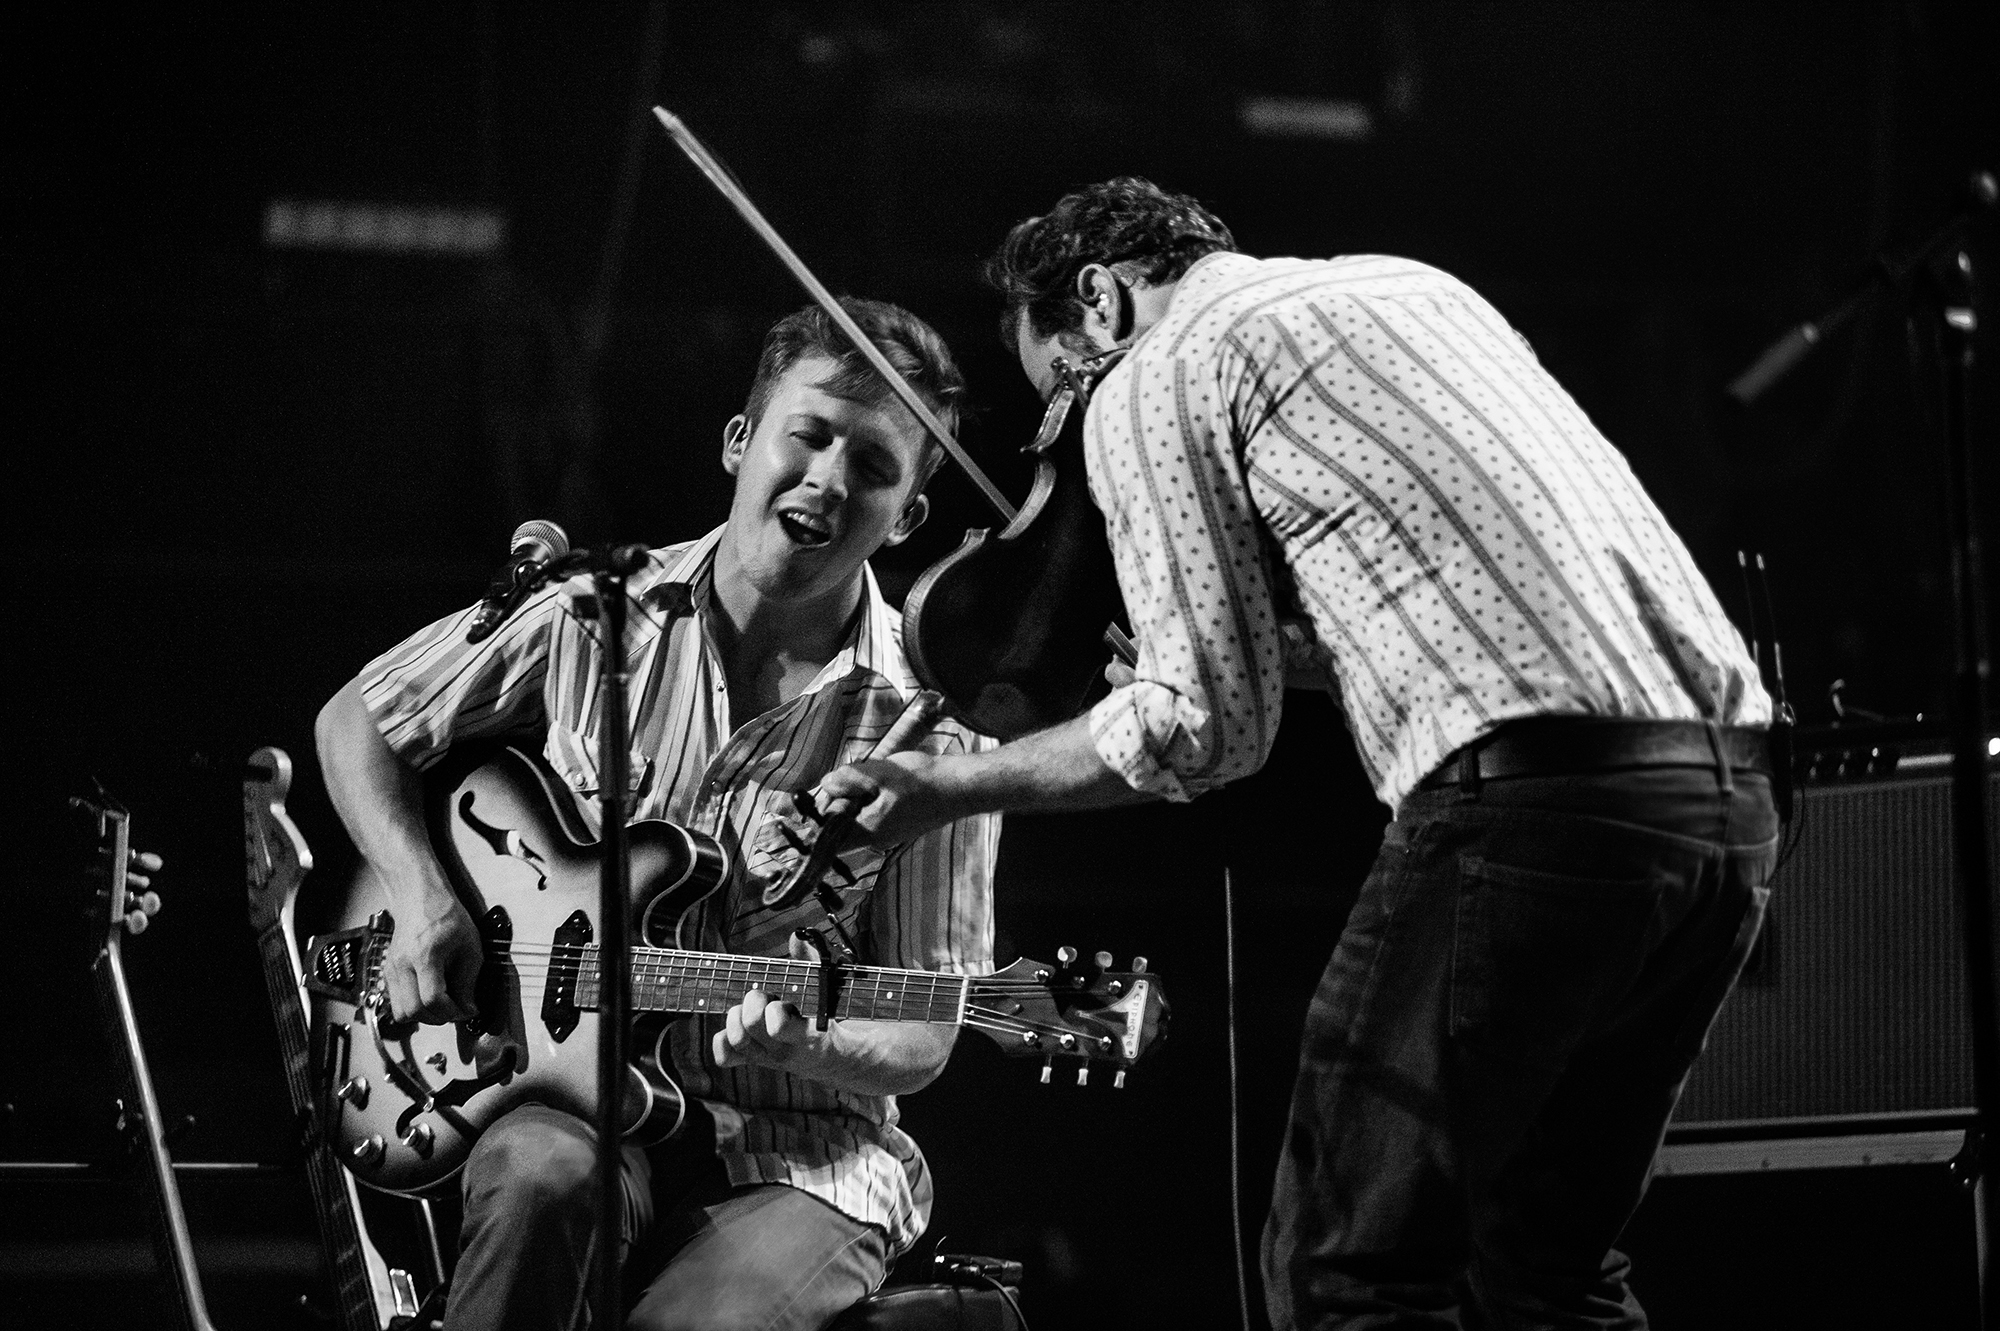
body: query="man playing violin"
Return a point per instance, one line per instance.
(762, 655)
(1540, 684)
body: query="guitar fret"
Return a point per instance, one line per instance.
(697, 983)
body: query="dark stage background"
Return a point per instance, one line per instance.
(238, 468)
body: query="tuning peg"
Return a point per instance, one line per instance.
(1083, 1075)
(1103, 960)
(1118, 1080)
(1066, 956)
(1138, 965)
(1048, 1066)
(144, 861)
(150, 902)
(136, 921)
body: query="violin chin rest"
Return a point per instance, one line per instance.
(1004, 711)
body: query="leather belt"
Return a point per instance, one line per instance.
(1574, 745)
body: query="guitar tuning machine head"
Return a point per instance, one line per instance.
(368, 1153)
(1048, 1066)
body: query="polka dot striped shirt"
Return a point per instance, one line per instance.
(1365, 442)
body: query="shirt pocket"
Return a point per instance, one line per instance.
(573, 755)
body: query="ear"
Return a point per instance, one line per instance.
(735, 442)
(1105, 310)
(911, 518)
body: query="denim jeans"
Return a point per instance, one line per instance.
(1492, 1056)
(698, 1253)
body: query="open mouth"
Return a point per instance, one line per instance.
(807, 529)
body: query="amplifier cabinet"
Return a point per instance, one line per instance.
(1853, 1006)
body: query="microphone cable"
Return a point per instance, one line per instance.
(1235, 1095)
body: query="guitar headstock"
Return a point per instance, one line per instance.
(275, 856)
(1078, 1009)
(123, 876)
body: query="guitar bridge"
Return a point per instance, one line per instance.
(341, 966)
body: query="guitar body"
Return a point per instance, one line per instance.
(404, 1102)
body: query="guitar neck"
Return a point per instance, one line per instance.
(670, 980)
(355, 1285)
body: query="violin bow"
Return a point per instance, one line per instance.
(719, 176)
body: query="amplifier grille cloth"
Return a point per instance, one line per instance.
(1858, 1007)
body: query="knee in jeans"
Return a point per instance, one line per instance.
(531, 1163)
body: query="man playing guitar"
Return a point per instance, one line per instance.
(762, 656)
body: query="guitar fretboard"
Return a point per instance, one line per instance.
(669, 980)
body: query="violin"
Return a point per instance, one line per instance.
(1009, 629)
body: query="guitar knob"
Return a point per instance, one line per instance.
(1083, 1075)
(420, 1139)
(1066, 956)
(1103, 961)
(368, 1153)
(1138, 965)
(355, 1091)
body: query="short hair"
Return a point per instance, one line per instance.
(909, 344)
(1127, 220)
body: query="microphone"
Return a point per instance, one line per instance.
(534, 544)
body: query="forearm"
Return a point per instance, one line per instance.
(1052, 771)
(380, 799)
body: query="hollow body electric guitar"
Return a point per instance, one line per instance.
(405, 1102)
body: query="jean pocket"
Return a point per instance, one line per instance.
(1537, 955)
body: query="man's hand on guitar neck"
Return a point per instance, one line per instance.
(865, 1057)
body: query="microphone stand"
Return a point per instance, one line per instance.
(1948, 296)
(611, 567)
(1952, 300)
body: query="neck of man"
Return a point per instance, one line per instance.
(1149, 306)
(772, 648)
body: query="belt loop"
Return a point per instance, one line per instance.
(1722, 776)
(1468, 773)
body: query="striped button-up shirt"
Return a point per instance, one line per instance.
(1364, 441)
(926, 905)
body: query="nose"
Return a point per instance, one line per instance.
(827, 471)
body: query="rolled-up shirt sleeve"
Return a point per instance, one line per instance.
(433, 689)
(1166, 467)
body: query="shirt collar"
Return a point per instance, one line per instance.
(679, 579)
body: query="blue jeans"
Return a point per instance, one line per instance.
(1495, 1049)
(709, 1257)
